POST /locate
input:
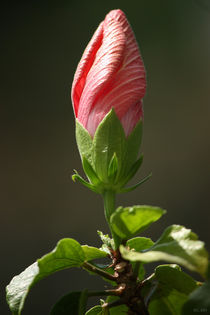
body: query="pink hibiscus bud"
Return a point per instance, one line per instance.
(110, 75)
(107, 93)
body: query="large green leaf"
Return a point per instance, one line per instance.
(174, 278)
(92, 253)
(73, 303)
(176, 245)
(140, 243)
(172, 287)
(68, 253)
(127, 222)
(171, 304)
(199, 301)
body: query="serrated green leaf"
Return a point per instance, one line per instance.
(176, 245)
(127, 222)
(73, 303)
(198, 301)
(84, 142)
(109, 139)
(92, 253)
(67, 254)
(172, 289)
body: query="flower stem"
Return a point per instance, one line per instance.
(109, 197)
(94, 269)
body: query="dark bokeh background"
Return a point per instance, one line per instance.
(41, 44)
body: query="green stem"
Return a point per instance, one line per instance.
(136, 269)
(109, 197)
(109, 203)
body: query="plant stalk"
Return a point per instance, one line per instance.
(109, 197)
(100, 272)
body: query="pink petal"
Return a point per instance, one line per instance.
(84, 66)
(132, 117)
(110, 74)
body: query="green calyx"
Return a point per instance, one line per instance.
(110, 159)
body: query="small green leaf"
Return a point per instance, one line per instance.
(105, 238)
(67, 254)
(84, 142)
(108, 242)
(171, 292)
(73, 303)
(92, 253)
(176, 245)
(199, 301)
(127, 222)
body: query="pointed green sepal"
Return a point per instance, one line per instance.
(89, 171)
(84, 142)
(109, 140)
(77, 177)
(128, 189)
(110, 159)
(133, 170)
(113, 167)
(133, 143)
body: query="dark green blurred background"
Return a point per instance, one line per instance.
(41, 44)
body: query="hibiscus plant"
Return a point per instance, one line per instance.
(107, 92)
